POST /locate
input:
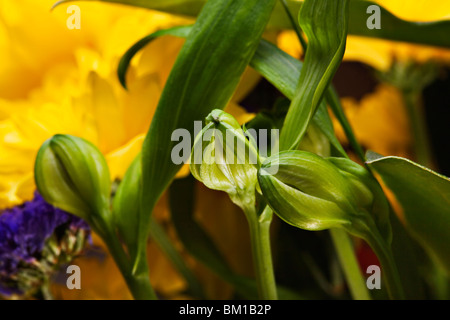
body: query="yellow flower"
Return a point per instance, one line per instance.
(74, 88)
(379, 122)
(288, 42)
(381, 54)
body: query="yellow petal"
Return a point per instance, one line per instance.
(240, 114)
(374, 52)
(120, 159)
(248, 82)
(15, 189)
(159, 57)
(379, 121)
(107, 114)
(139, 104)
(418, 10)
(289, 42)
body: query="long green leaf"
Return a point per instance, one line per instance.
(392, 28)
(127, 215)
(424, 197)
(405, 250)
(325, 24)
(278, 67)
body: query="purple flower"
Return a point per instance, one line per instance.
(24, 234)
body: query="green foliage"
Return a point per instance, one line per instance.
(424, 198)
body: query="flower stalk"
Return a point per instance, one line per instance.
(224, 159)
(137, 280)
(388, 265)
(349, 263)
(261, 251)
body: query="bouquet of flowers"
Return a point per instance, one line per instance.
(224, 149)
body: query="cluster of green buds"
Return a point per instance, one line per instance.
(306, 190)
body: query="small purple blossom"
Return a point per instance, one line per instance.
(24, 231)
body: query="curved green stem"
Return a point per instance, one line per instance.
(295, 25)
(261, 251)
(137, 280)
(335, 104)
(347, 258)
(418, 129)
(388, 265)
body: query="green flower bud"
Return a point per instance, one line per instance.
(368, 194)
(224, 159)
(315, 193)
(72, 174)
(307, 191)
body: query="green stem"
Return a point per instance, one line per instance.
(439, 280)
(261, 251)
(335, 104)
(388, 265)
(158, 234)
(346, 254)
(418, 127)
(137, 280)
(295, 25)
